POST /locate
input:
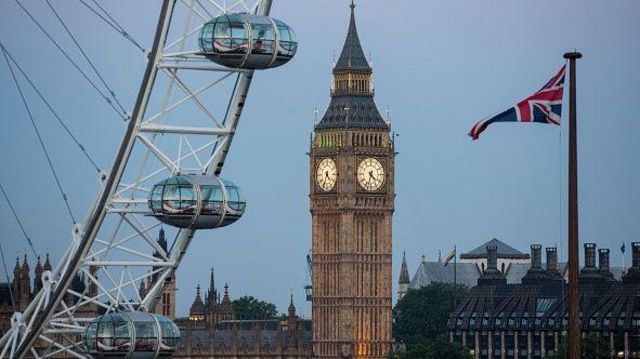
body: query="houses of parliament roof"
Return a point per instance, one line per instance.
(539, 301)
(503, 251)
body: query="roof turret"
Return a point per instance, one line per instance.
(25, 268)
(47, 263)
(16, 268)
(212, 295)
(226, 301)
(404, 271)
(196, 312)
(292, 308)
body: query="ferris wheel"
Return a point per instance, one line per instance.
(166, 171)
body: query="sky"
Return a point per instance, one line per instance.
(439, 67)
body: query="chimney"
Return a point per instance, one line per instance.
(492, 257)
(603, 259)
(589, 255)
(552, 260)
(491, 275)
(535, 275)
(633, 274)
(536, 256)
(590, 272)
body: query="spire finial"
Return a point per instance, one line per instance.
(353, 5)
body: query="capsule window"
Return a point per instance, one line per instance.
(211, 200)
(234, 200)
(122, 337)
(156, 198)
(90, 336)
(239, 36)
(169, 332)
(263, 39)
(178, 198)
(206, 39)
(288, 43)
(105, 334)
(146, 336)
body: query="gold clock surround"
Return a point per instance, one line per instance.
(371, 175)
(326, 174)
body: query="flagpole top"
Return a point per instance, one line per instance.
(572, 55)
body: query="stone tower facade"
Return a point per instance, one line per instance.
(167, 303)
(352, 202)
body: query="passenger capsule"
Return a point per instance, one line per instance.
(246, 41)
(196, 201)
(136, 335)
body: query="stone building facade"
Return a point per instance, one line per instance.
(166, 304)
(16, 295)
(212, 331)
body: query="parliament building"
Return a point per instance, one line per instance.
(528, 319)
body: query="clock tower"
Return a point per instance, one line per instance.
(352, 202)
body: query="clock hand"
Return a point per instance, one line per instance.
(326, 174)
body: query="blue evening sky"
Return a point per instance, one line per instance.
(439, 66)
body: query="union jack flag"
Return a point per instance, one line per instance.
(544, 106)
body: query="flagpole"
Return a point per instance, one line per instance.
(623, 263)
(455, 266)
(455, 275)
(574, 285)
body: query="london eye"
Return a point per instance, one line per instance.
(166, 170)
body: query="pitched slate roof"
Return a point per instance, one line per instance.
(468, 273)
(504, 251)
(352, 56)
(362, 114)
(430, 272)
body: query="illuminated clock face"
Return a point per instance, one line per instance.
(326, 174)
(370, 174)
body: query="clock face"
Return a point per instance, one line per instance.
(370, 174)
(326, 174)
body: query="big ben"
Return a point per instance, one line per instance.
(352, 202)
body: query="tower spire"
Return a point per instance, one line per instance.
(352, 87)
(292, 308)
(404, 281)
(404, 271)
(352, 55)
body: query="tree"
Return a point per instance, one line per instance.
(421, 316)
(591, 347)
(250, 308)
(438, 349)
